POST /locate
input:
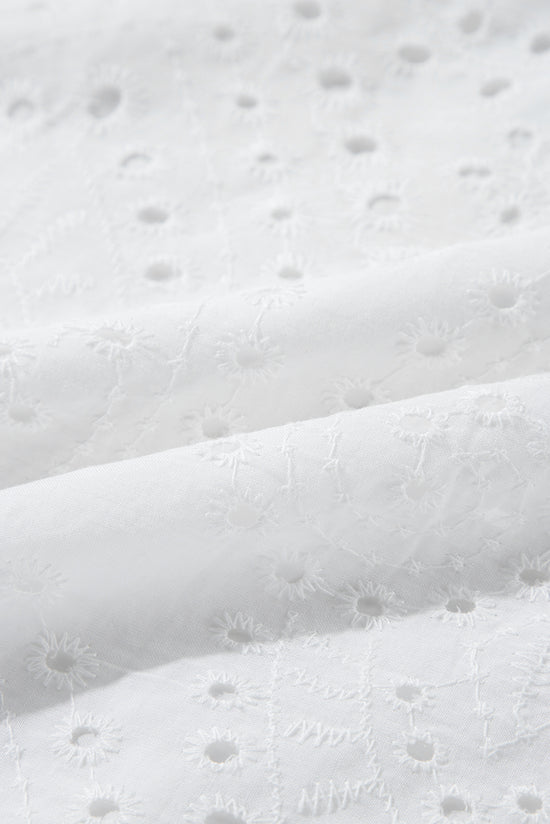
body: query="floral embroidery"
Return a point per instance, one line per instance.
(291, 574)
(61, 660)
(492, 408)
(505, 298)
(162, 271)
(26, 413)
(219, 750)
(240, 511)
(21, 106)
(383, 209)
(418, 489)
(371, 605)
(464, 607)
(431, 341)
(287, 269)
(211, 422)
(532, 577)
(239, 633)
(138, 161)
(349, 393)
(420, 751)
(418, 426)
(119, 342)
(221, 810)
(336, 82)
(87, 740)
(109, 804)
(223, 690)
(410, 695)
(528, 804)
(29, 578)
(111, 94)
(449, 804)
(248, 356)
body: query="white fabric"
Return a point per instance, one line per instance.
(274, 412)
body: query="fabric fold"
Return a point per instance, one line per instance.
(274, 412)
(89, 392)
(180, 552)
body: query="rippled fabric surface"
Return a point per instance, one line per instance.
(274, 412)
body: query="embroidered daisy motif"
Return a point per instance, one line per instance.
(15, 356)
(20, 106)
(494, 86)
(532, 577)
(211, 422)
(247, 105)
(370, 605)
(138, 161)
(291, 574)
(108, 804)
(473, 174)
(337, 84)
(111, 93)
(26, 413)
(431, 342)
(239, 511)
(470, 23)
(32, 579)
(528, 804)
(287, 269)
(223, 690)
(449, 804)
(152, 216)
(540, 44)
(119, 342)
(356, 148)
(492, 408)
(359, 145)
(417, 489)
(305, 16)
(61, 660)
(87, 740)
(219, 750)
(284, 217)
(420, 751)
(410, 56)
(349, 393)
(225, 40)
(519, 137)
(264, 162)
(510, 213)
(463, 607)
(383, 209)
(220, 810)
(418, 426)
(248, 356)
(239, 633)
(163, 271)
(410, 695)
(505, 298)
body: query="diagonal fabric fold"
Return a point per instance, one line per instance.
(383, 512)
(274, 412)
(94, 391)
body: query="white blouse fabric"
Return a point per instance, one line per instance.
(274, 412)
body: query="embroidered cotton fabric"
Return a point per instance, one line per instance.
(274, 412)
